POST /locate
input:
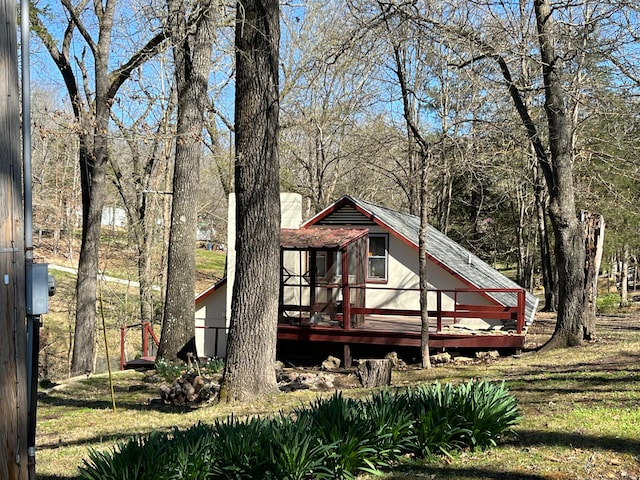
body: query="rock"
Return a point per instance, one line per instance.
(463, 360)
(396, 361)
(278, 365)
(393, 356)
(440, 358)
(491, 355)
(293, 381)
(331, 363)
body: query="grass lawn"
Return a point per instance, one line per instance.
(581, 412)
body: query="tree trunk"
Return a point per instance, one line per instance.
(13, 375)
(548, 274)
(92, 168)
(419, 152)
(594, 242)
(422, 265)
(375, 372)
(192, 54)
(569, 231)
(249, 368)
(624, 276)
(92, 112)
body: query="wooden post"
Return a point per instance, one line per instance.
(439, 311)
(346, 350)
(346, 298)
(13, 401)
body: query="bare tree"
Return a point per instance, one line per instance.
(91, 106)
(56, 175)
(556, 156)
(326, 85)
(249, 368)
(138, 181)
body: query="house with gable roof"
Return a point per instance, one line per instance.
(350, 277)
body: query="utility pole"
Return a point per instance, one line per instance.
(13, 375)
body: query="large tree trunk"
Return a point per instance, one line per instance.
(249, 368)
(570, 258)
(13, 374)
(569, 231)
(93, 163)
(192, 54)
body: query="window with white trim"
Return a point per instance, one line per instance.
(378, 257)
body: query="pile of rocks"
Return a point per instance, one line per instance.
(189, 388)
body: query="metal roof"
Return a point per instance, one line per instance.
(319, 238)
(440, 247)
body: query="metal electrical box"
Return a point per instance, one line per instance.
(37, 288)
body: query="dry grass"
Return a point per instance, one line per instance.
(581, 405)
(120, 302)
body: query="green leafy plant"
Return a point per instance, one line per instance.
(332, 438)
(437, 426)
(242, 450)
(488, 410)
(392, 426)
(296, 453)
(135, 459)
(607, 304)
(339, 423)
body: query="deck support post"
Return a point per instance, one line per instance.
(346, 353)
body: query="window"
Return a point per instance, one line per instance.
(328, 265)
(378, 251)
(321, 264)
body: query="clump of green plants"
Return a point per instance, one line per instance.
(169, 371)
(608, 304)
(332, 438)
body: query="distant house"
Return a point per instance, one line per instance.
(377, 302)
(114, 217)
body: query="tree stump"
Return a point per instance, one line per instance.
(374, 372)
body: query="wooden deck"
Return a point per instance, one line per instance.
(403, 331)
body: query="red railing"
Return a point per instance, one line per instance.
(463, 310)
(515, 311)
(147, 332)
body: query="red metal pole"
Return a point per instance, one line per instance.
(145, 340)
(123, 331)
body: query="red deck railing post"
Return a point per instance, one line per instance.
(123, 332)
(521, 309)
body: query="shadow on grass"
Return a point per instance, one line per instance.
(532, 438)
(65, 401)
(437, 471)
(96, 440)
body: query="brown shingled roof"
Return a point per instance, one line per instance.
(319, 238)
